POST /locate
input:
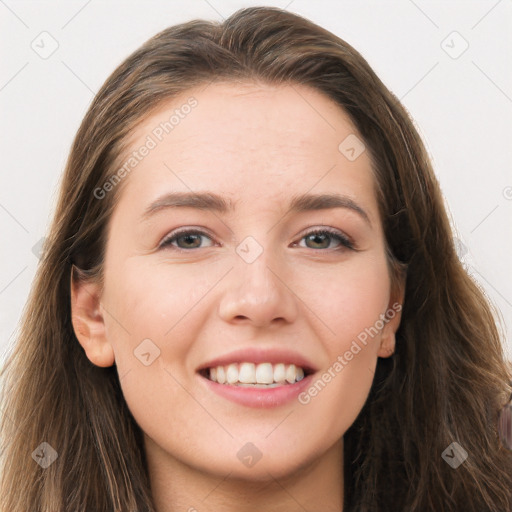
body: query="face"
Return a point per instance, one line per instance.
(245, 280)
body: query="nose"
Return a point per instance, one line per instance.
(259, 294)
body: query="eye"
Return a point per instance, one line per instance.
(322, 238)
(185, 239)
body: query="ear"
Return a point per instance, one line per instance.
(393, 315)
(88, 321)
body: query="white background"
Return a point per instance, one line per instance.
(461, 106)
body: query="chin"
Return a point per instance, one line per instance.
(265, 463)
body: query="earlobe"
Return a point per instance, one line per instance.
(387, 340)
(88, 321)
(394, 316)
(387, 346)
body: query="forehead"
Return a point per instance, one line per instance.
(248, 140)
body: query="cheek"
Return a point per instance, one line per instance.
(156, 316)
(351, 306)
(152, 327)
(154, 301)
(350, 299)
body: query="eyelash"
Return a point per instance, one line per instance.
(344, 241)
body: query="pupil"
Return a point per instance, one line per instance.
(189, 238)
(317, 236)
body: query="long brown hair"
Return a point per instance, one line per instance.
(446, 382)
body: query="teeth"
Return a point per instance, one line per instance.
(247, 373)
(264, 373)
(293, 373)
(232, 373)
(279, 372)
(256, 375)
(221, 374)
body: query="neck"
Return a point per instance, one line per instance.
(176, 486)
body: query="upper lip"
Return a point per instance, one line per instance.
(261, 355)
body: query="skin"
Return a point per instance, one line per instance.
(257, 145)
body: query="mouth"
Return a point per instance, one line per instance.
(257, 377)
(264, 375)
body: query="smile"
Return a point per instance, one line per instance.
(262, 375)
(257, 377)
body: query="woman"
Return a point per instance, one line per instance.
(250, 297)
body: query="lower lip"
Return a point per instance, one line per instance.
(259, 397)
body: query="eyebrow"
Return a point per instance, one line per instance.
(212, 202)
